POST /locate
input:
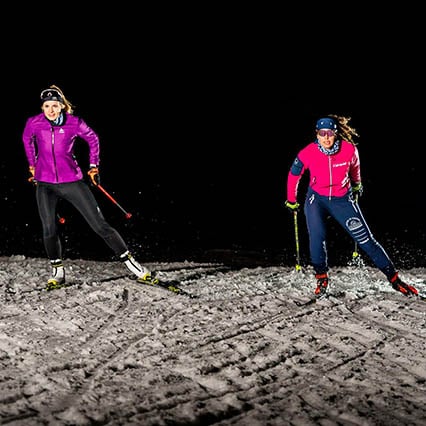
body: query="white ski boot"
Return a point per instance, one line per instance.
(57, 277)
(143, 274)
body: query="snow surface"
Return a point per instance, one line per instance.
(109, 351)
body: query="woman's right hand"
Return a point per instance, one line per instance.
(31, 179)
(294, 207)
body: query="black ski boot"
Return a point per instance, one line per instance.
(322, 285)
(402, 287)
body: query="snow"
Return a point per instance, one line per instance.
(109, 351)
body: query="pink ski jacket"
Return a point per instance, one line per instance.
(330, 175)
(50, 149)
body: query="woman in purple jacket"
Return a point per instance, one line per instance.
(334, 184)
(49, 147)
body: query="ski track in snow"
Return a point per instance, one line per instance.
(109, 351)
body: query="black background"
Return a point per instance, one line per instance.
(199, 122)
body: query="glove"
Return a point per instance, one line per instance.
(31, 179)
(293, 207)
(357, 189)
(94, 175)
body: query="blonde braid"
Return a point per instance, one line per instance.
(345, 131)
(69, 107)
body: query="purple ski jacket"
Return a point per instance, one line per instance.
(330, 175)
(50, 149)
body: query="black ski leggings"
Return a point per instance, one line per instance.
(82, 198)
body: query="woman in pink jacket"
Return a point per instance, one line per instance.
(48, 140)
(334, 182)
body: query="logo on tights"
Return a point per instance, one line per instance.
(353, 223)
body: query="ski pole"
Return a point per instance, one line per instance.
(127, 214)
(356, 257)
(355, 253)
(296, 235)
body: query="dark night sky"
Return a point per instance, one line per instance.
(198, 133)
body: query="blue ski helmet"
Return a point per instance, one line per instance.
(326, 123)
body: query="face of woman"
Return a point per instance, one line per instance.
(326, 138)
(52, 109)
